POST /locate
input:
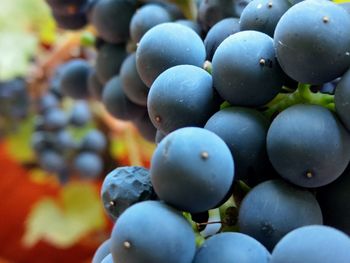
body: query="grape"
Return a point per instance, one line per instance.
(66, 6)
(95, 87)
(218, 33)
(274, 208)
(159, 136)
(117, 104)
(102, 251)
(145, 18)
(172, 8)
(334, 201)
(55, 119)
(134, 88)
(167, 45)
(80, 114)
(346, 6)
(47, 102)
(88, 165)
(112, 18)
(308, 146)
(252, 76)
(192, 169)
(71, 21)
(74, 79)
(94, 141)
(109, 60)
(146, 127)
(342, 99)
(181, 96)
(108, 259)
(40, 141)
(313, 244)
(51, 161)
(14, 102)
(313, 34)
(244, 131)
(263, 15)
(239, 6)
(125, 186)
(64, 141)
(232, 247)
(151, 231)
(191, 24)
(212, 11)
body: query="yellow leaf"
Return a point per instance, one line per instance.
(63, 222)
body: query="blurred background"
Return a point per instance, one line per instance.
(50, 207)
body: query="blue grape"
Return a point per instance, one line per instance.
(123, 187)
(66, 6)
(151, 231)
(342, 99)
(71, 21)
(239, 6)
(102, 251)
(263, 15)
(108, 259)
(73, 82)
(232, 247)
(313, 244)
(80, 114)
(55, 119)
(212, 11)
(181, 96)
(109, 60)
(299, 142)
(191, 24)
(192, 169)
(334, 201)
(88, 165)
(133, 86)
(159, 136)
(95, 86)
(94, 141)
(52, 161)
(252, 76)
(274, 208)
(146, 127)
(47, 102)
(167, 45)
(112, 18)
(145, 18)
(244, 131)
(313, 34)
(116, 102)
(218, 33)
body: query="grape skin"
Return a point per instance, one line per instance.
(192, 169)
(151, 231)
(167, 45)
(313, 244)
(274, 208)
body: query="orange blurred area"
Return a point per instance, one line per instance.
(18, 194)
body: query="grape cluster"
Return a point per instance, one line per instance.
(14, 104)
(57, 150)
(251, 140)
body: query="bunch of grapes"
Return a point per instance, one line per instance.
(251, 104)
(57, 150)
(14, 104)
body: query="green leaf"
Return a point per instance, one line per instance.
(63, 222)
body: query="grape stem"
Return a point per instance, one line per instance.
(302, 94)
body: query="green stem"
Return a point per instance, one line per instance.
(302, 94)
